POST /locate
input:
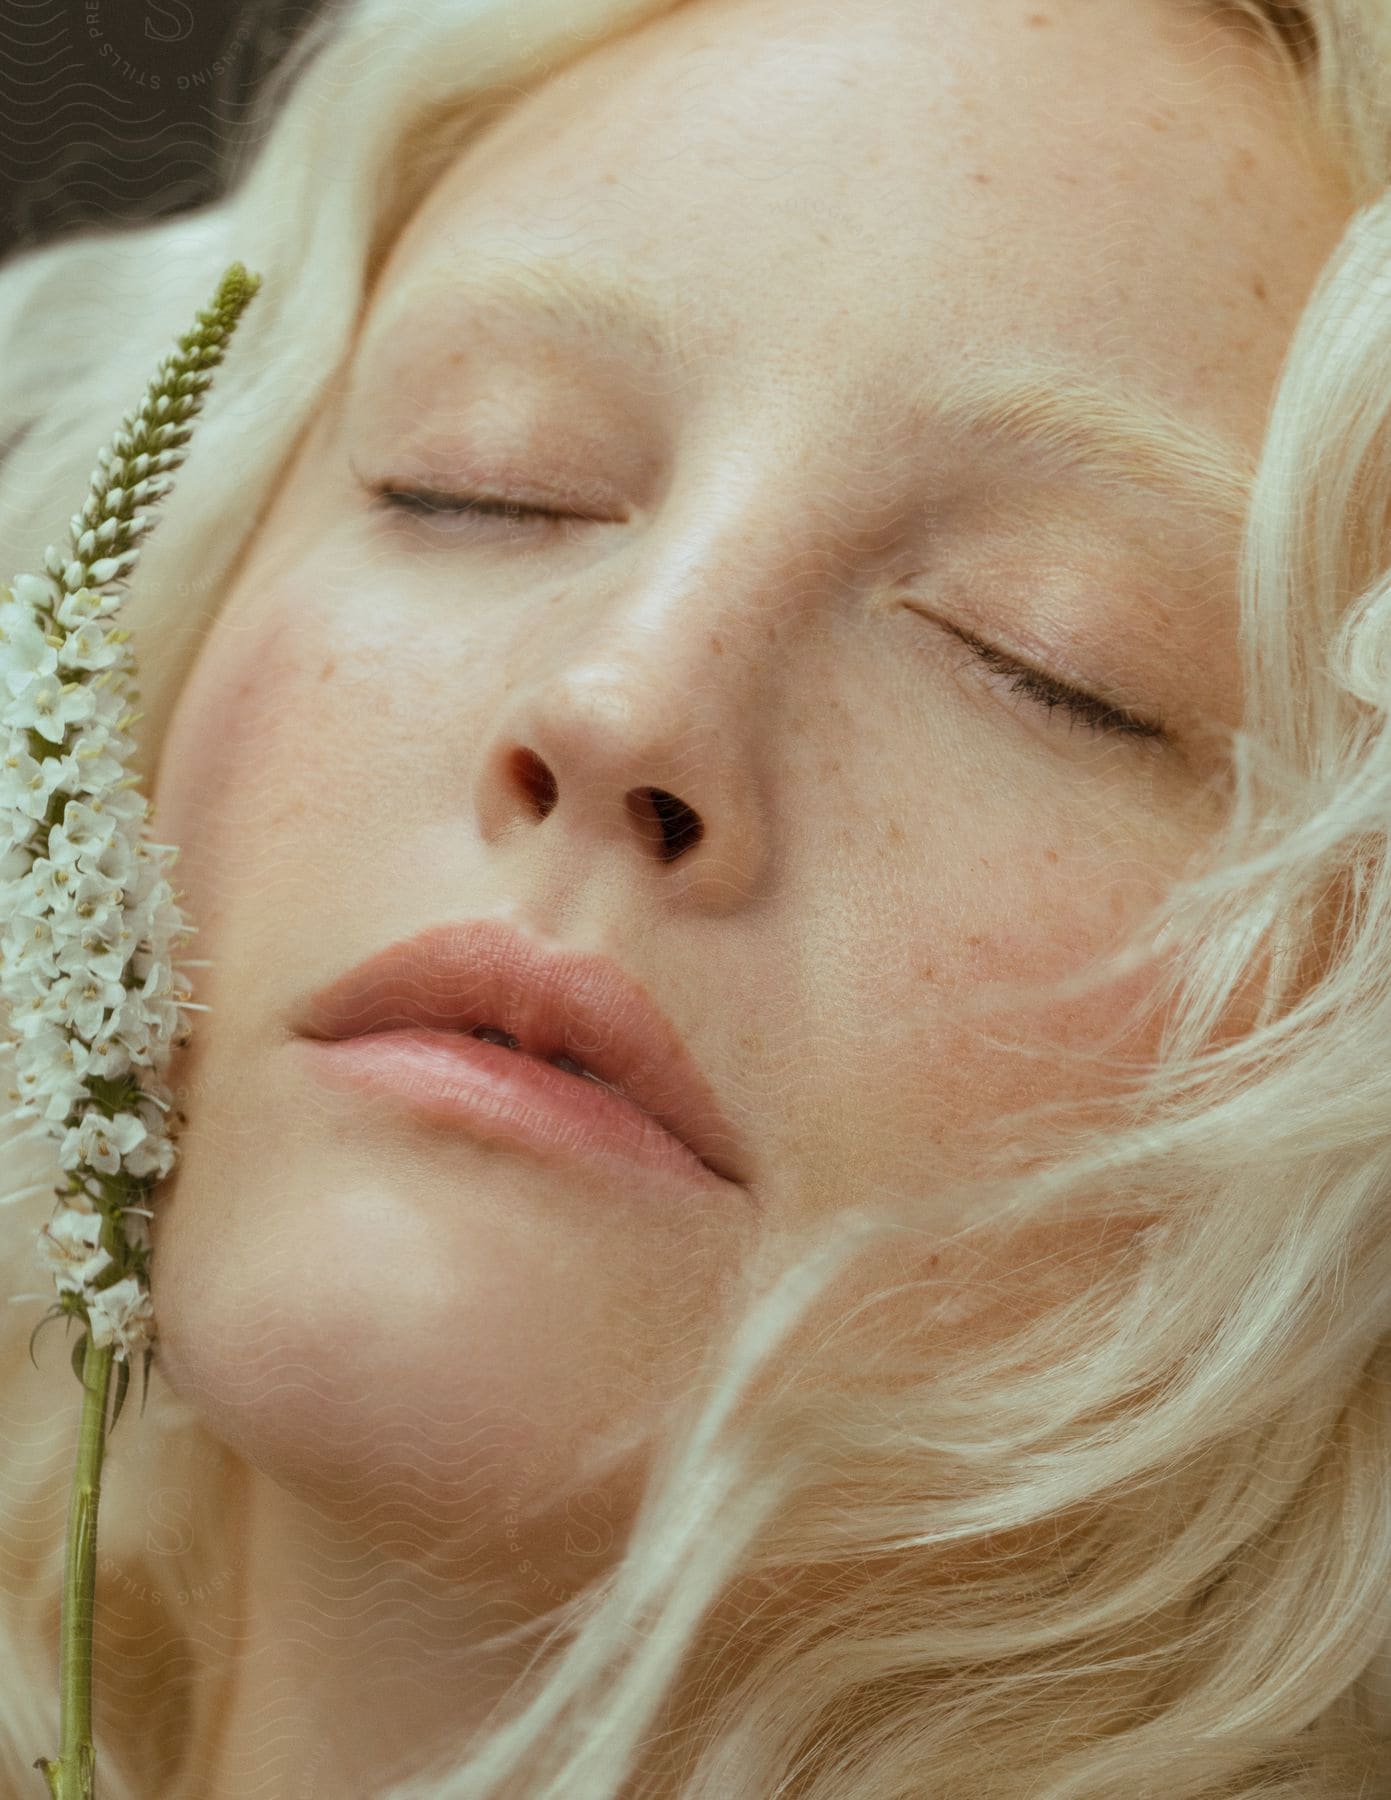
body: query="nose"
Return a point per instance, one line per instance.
(653, 722)
(603, 753)
(656, 722)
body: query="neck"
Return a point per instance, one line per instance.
(357, 1662)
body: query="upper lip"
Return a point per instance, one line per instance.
(483, 972)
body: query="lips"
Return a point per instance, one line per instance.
(564, 1004)
(567, 1063)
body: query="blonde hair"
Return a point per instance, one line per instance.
(1199, 1435)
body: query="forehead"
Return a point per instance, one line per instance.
(1116, 180)
(854, 100)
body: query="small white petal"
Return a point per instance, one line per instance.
(69, 1248)
(121, 1314)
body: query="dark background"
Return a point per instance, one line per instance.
(126, 108)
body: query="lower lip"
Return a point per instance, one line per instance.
(508, 1097)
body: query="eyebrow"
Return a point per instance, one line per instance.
(1049, 408)
(1073, 426)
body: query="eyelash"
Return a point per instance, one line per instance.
(1097, 715)
(430, 504)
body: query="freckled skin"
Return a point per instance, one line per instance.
(384, 1319)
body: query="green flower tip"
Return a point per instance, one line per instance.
(237, 286)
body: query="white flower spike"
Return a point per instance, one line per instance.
(87, 920)
(88, 927)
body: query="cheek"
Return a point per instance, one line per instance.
(1046, 922)
(943, 1047)
(238, 761)
(212, 755)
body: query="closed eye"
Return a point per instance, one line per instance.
(425, 501)
(439, 508)
(1098, 715)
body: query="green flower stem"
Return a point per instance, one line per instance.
(72, 1775)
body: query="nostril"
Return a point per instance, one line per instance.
(536, 779)
(681, 827)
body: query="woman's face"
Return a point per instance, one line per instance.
(762, 545)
